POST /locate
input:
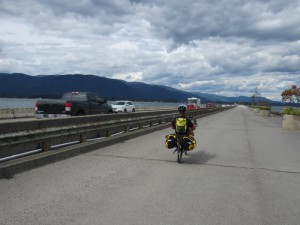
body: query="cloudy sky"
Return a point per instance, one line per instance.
(224, 47)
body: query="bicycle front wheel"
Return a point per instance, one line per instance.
(179, 155)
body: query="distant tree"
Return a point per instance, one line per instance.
(291, 95)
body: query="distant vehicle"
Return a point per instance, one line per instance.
(193, 103)
(123, 106)
(209, 105)
(72, 104)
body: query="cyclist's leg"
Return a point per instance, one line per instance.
(191, 132)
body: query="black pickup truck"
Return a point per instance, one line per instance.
(72, 104)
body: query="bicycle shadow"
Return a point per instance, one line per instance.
(198, 157)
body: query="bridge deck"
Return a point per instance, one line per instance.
(245, 170)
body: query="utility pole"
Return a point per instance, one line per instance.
(254, 96)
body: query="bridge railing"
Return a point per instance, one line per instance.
(20, 137)
(36, 136)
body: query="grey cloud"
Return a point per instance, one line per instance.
(260, 20)
(209, 45)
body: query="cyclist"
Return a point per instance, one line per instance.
(182, 124)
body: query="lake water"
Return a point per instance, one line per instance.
(17, 103)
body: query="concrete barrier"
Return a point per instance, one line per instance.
(256, 110)
(265, 113)
(10, 113)
(291, 122)
(154, 108)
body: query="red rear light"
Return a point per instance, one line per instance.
(36, 105)
(191, 106)
(68, 106)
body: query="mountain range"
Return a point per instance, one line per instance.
(53, 86)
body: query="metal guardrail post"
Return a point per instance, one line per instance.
(82, 138)
(126, 129)
(108, 133)
(46, 145)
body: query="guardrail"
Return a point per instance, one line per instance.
(31, 143)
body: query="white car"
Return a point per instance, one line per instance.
(123, 106)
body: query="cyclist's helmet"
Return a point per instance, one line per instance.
(181, 108)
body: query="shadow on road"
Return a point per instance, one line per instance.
(198, 157)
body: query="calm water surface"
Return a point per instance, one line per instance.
(17, 103)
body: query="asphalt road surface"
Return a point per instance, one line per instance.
(244, 171)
